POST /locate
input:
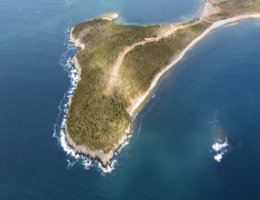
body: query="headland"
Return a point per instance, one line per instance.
(119, 65)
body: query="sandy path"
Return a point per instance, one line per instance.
(114, 73)
(114, 76)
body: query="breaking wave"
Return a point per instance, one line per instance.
(220, 142)
(59, 126)
(220, 148)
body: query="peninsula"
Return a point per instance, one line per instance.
(119, 65)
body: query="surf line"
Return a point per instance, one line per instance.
(194, 42)
(59, 126)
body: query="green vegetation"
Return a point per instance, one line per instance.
(94, 119)
(231, 8)
(99, 121)
(224, 15)
(238, 7)
(240, 3)
(141, 65)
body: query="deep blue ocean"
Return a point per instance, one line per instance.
(197, 137)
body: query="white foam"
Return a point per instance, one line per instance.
(122, 146)
(218, 147)
(59, 126)
(108, 169)
(218, 157)
(87, 163)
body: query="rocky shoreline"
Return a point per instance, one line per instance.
(99, 155)
(105, 158)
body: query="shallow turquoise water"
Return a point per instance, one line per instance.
(212, 94)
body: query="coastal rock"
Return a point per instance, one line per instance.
(76, 42)
(75, 63)
(99, 155)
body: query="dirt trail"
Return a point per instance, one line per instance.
(114, 73)
(114, 76)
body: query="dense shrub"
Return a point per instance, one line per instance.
(99, 121)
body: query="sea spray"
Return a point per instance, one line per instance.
(221, 144)
(60, 124)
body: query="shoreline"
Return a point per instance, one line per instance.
(74, 41)
(194, 42)
(105, 158)
(99, 155)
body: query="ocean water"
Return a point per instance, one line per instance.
(197, 137)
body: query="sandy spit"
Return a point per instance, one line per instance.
(195, 41)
